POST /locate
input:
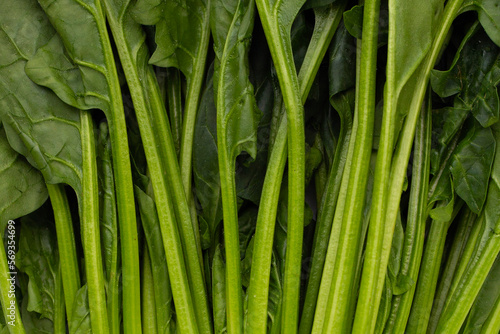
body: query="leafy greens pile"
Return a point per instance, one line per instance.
(279, 166)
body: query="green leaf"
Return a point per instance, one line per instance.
(179, 31)
(342, 63)
(474, 75)
(205, 163)
(471, 166)
(353, 20)
(38, 257)
(80, 320)
(32, 321)
(246, 225)
(22, 188)
(32, 114)
(489, 15)
(81, 77)
(238, 113)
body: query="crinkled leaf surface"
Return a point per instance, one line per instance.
(87, 83)
(22, 188)
(471, 166)
(38, 257)
(38, 124)
(180, 28)
(474, 75)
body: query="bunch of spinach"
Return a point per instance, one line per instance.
(241, 166)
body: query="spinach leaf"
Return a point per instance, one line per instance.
(471, 166)
(205, 163)
(22, 189)
(488, 13)
(80, 319)
(473, 76)
(30, 113)
(38, 257)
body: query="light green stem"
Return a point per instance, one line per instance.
(89, 204)
(171, 240)
(348, 247)
(70, 273)
(281, 52)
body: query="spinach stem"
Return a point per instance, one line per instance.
(348, 247)
(188, 125)
(123, 187)
(401, 157)
(281, 52)
(428, 276)
(417, 217)
(91, 240)
(146, 112)
(70, 273)
(190, 243)
(263, 240)
(468, 218)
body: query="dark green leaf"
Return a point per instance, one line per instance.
(32, 114)
(80, 319)
(474, 75)
(471, 166)
(489, 15)
(80, 75)
(22, 188)
(238, 114)
(38, 257)
(205, 163)
(180, 27)
(353, 20)
(342, 63)
(32, 321)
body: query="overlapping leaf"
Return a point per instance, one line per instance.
(179, 30)
(474, 75)
(22, 188)
(33, 115)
